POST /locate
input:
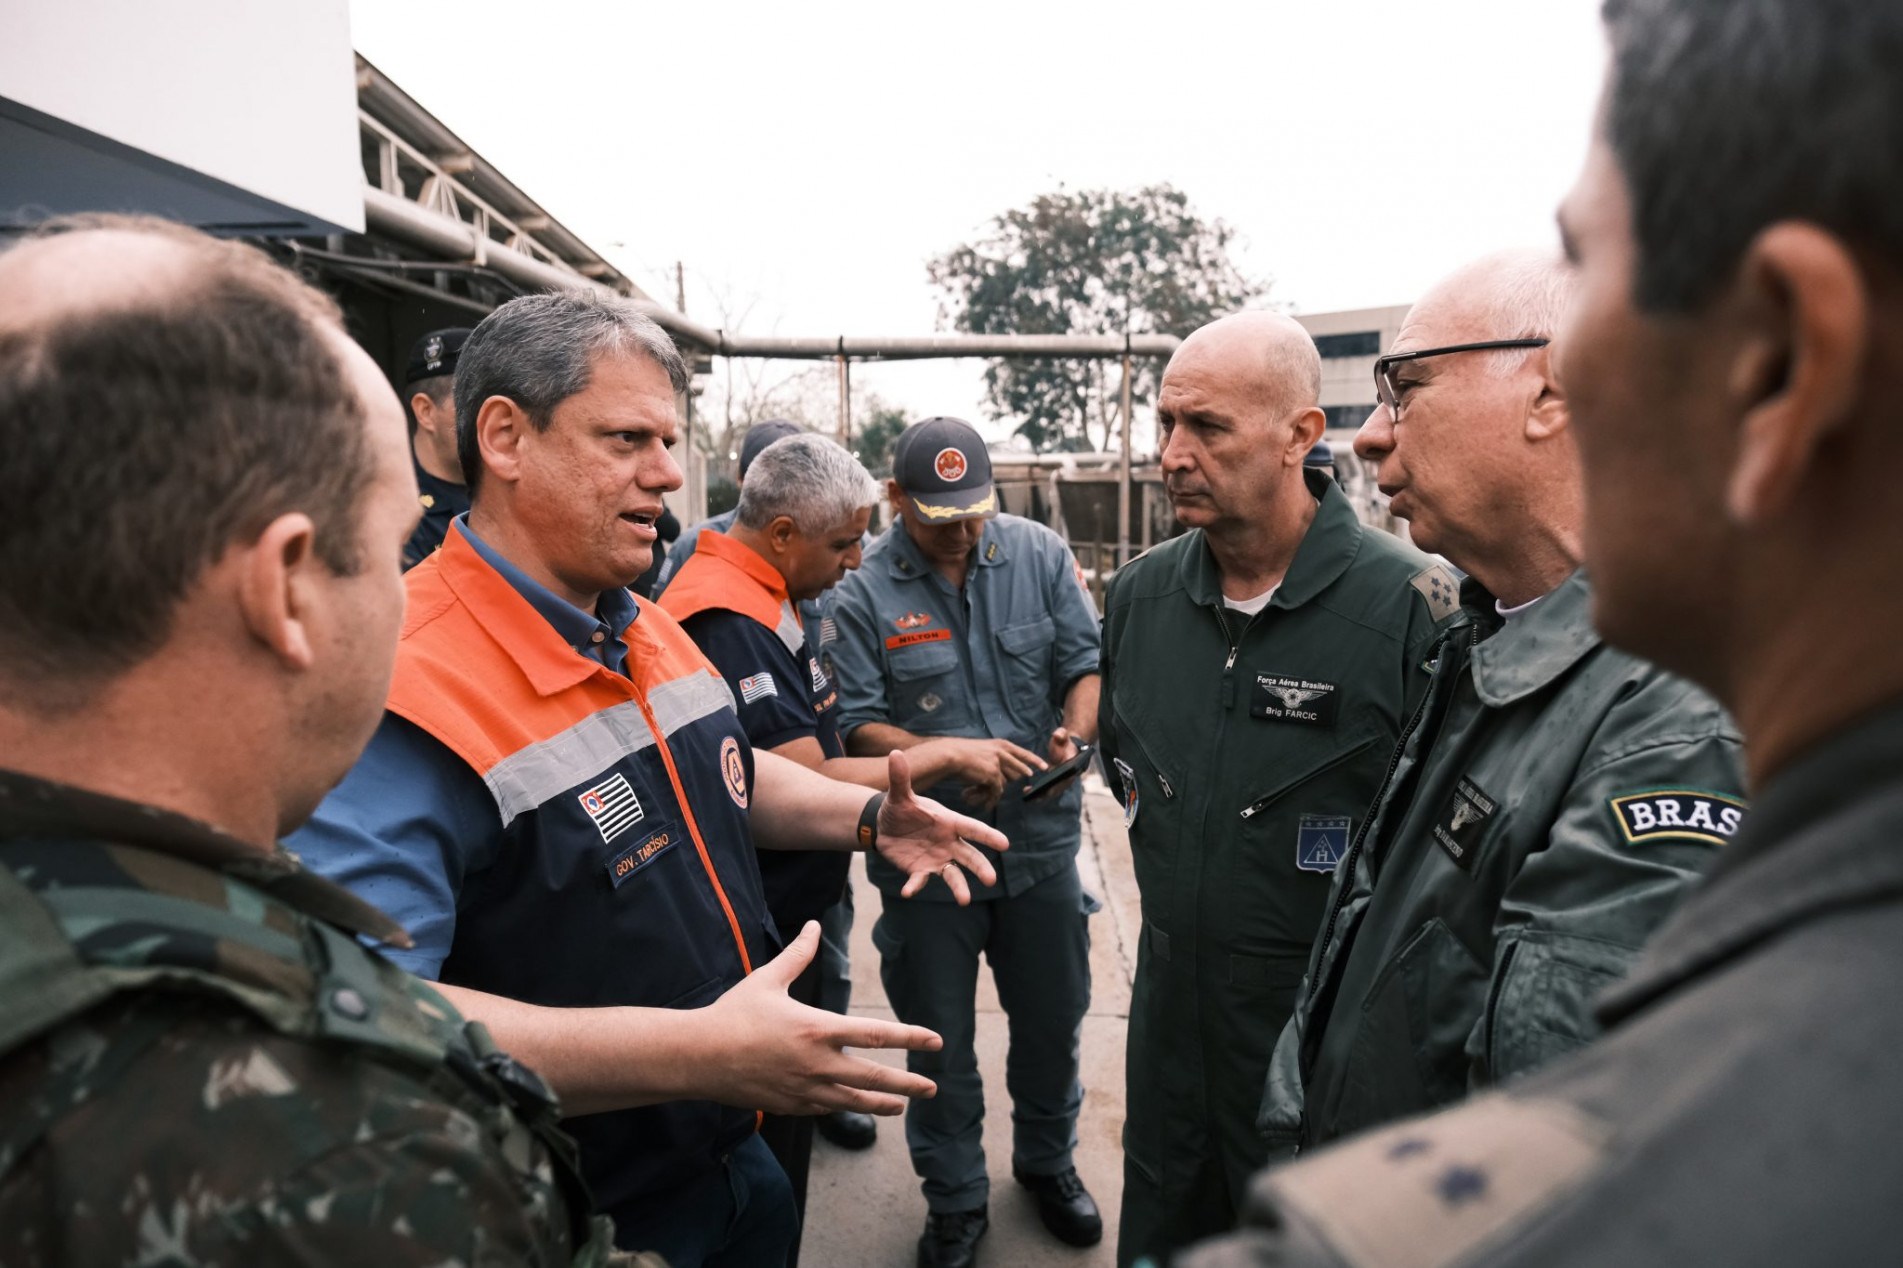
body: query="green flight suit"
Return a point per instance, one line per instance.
(1245, 751)
(1548, 808)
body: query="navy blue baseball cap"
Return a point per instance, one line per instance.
(760, 435)
(943, 466)
(1322, 455)
(435, 353)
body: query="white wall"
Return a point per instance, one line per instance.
(258, 93)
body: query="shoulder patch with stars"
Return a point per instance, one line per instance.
(1440, 588)
(1432, 1192)
(1658, 813)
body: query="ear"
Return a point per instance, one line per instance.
(781, 531)
(423, 409)
(501, 428)
(895, 496)
(1549, 416)
(277, 588)
(1306, 431)
(1801, 370)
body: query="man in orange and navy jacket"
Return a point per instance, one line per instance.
(562, 806)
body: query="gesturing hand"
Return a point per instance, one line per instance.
(924, 839)
(787, 1058)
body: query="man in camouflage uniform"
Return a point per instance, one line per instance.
(200, 590)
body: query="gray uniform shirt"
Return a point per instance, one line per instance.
(991, 661)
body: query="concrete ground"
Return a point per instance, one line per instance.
(864, 1210)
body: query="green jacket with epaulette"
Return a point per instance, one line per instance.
(1245, 750)
(200, 1064)
(1551, 803)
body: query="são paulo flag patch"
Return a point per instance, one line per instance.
(1658, 813)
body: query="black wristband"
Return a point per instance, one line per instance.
(869, 821)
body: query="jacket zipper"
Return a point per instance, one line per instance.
(1163, 781)
(1381, 791)
(1228, 666)
(1262, 803)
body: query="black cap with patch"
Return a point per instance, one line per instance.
(435, 354)
(944, 467)
(760, 435)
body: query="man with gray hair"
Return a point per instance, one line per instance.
(796, 533)
(562, 805)
(1551, 800)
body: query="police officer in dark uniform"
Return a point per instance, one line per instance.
(429, 382)
(1731, 379)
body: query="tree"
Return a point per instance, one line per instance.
(1097, 262)
(878, 431)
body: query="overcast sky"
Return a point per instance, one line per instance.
(804, 161)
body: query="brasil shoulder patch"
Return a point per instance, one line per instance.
(1657, 813)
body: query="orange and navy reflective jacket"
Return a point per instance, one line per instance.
(733, 602)
(626, 874)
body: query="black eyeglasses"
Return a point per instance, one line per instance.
(1389, 392)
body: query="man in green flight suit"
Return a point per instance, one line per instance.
(1257, 672)
(1552, 800)
(199, 1062)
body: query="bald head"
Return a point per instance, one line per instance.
(1514, 294)
(1268, 349)
(91, 266)
(163, 395)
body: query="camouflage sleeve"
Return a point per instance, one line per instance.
(225, 1144)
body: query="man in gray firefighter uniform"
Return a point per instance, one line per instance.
(965, 623)
(1552, 800)
(1257, 670)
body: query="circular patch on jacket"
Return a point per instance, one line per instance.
(950, 464)
(735, 770)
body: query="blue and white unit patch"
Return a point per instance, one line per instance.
(1321, 841)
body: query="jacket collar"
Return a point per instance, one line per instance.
(904, 560)
(549, 663)
(31, 807)
(747, 560)
(1328, 547)
(1534, 649)
(1805, 849)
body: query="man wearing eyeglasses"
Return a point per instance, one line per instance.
(1551, 800)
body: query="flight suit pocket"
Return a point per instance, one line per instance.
(1288, 842)
(926, 692)
(1146, 789)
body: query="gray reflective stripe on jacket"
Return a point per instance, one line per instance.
(993, 661)
(1570, 796)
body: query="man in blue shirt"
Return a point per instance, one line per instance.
(967, 623)
(562, 803)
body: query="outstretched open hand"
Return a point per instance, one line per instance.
(924, 839)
